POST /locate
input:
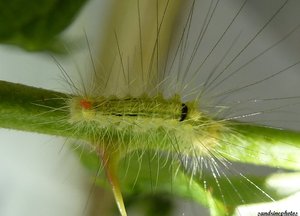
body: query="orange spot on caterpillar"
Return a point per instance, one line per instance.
(85, 104)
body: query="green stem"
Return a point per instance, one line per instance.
(33, 109)
(39, 110)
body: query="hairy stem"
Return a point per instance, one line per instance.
(38, 110)
(33, 109)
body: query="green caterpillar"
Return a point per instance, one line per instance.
(118, 125)
(147, 123)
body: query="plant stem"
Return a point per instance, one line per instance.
(33, 109)
(38, 110)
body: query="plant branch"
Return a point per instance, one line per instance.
(33, 109)
(38, 110)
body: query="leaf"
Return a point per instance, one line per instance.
(35, 24)
(143, 174)
(140, 177)
(261, 145)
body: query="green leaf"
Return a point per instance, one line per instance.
(261, 145)
(144, 174)
(35, 24)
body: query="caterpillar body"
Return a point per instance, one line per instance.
(147, 123)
